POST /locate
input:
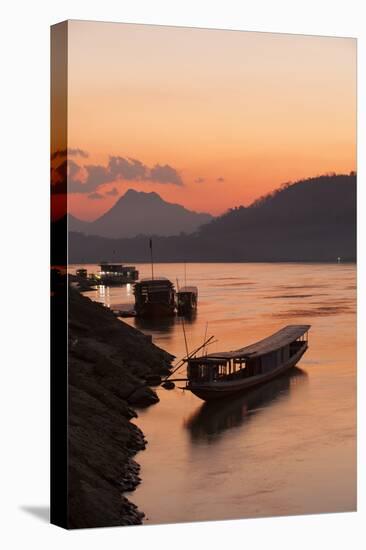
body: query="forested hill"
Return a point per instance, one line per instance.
(310, 220)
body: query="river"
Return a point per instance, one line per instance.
(288, 447)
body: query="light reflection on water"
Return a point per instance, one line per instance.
(285, 448)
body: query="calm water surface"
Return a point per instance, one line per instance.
(285, 448)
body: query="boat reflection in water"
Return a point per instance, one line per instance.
(155, 325)
(162, 325)
(215, 417)
(189, 318)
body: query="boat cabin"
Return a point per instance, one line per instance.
(154, 296)
(83, 273)
(187, 298)
(259, 359)
(117, 273)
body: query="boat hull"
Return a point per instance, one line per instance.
(219, 390)
(186, 309)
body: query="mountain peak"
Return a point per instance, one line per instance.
(140, 212)
(133, 195)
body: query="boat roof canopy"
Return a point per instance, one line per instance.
(116, 267)
(157, 280)
(190, 289)
(279, 339)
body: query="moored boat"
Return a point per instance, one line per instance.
(82, 273)
(116, 274)
(187, 299)
(223, 374)
(154, 298)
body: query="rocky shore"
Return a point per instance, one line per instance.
(109, 363)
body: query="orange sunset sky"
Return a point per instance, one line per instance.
(213, 118)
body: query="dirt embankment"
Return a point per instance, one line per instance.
(108, 363)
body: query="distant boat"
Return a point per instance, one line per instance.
(82, 273)
(224, 374)
(187, 299)
(154, 298)
(116, 274)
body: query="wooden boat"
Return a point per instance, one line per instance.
(154, 298)
(116, 274)
(225, 374)
(187, 298)
(82, 273)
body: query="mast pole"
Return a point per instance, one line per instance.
(152, 260)
(183, 327)
(185, 336)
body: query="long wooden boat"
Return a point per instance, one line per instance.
(224, 374)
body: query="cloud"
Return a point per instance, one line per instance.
(69, 152)
(79, 152)
(59, 178)
(164, 174)
(96, 175)
(127, 169)
(120, 168)
(64, 169)
(72, 168)
(112, 192)
(199, 180)
(68, 176)
(95, 196)
(61, 173)
(220, 179)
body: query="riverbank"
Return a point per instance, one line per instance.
(108, 365)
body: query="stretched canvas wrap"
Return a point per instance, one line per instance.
(203, 189)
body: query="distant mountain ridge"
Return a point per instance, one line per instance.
(140, 213)
(309, 220)
(75, 224)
